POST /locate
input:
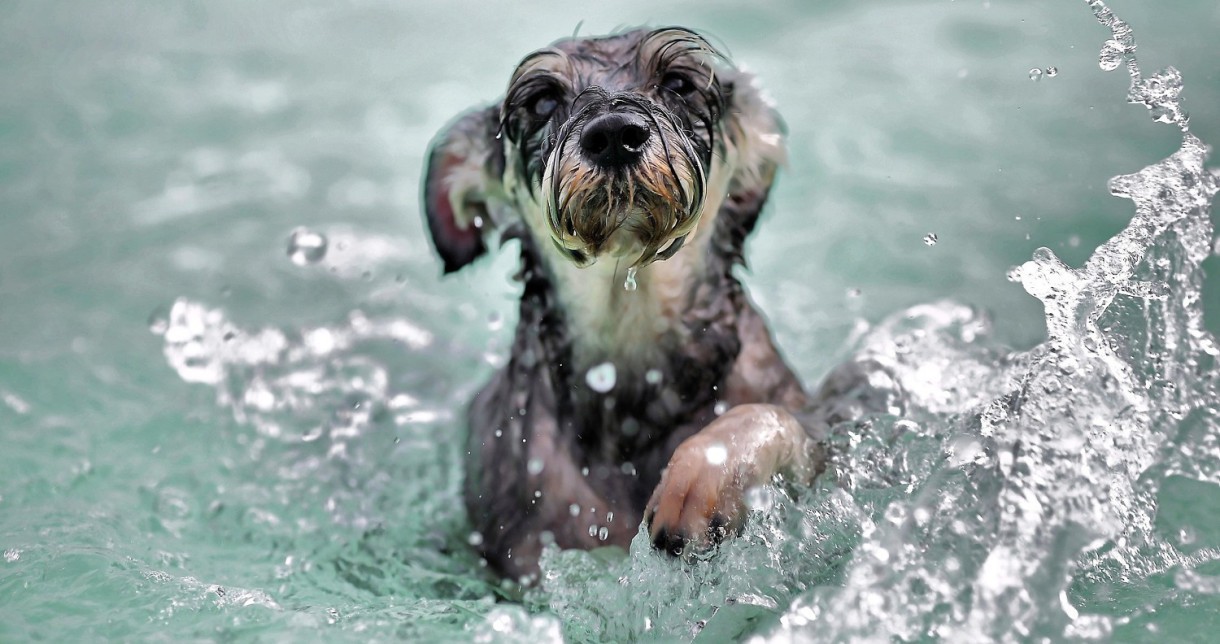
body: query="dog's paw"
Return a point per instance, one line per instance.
(699, 500)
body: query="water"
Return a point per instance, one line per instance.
(204, 439)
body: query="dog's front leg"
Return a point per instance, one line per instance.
(701, 496)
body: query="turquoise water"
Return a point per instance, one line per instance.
(203, 439)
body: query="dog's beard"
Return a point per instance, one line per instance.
(642, 213)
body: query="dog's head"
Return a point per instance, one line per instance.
(614, 146)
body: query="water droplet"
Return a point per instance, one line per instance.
(717, 454)
(609, 517)
(653, 376)
(592, 530)
(158, 321)
(306, 247)
(1111, 55)
(760, 498)
(495, 321)
(630, 284)
(1035, 74)
(574, 510)
(535, 466)
(603, 533)
(1052, 72)
(11, 555)
(930, 239)
(720, 407)
(601, 378)
(475, 538)
(1186, 536)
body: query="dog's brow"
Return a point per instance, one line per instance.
(550, 60)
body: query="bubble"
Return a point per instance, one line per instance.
(717, 454)
(654, 376)
(475, 538)
(760, 498)
(630, 284)
(1035, 74)
(930, 239)
(601, 378)
(495, 321)
(720, 407)
(1111, 55)
(306, 246)
(535, 466)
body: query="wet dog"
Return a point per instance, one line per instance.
(642, 385)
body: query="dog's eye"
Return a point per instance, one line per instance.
(678, 84)
(542, 106)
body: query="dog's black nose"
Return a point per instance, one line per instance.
(614, 140)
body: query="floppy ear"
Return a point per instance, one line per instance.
(757, 132)
(462, 175)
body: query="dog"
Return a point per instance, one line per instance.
(642, 383)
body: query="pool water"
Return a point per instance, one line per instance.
(207, 435)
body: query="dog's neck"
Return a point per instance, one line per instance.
(671, 341)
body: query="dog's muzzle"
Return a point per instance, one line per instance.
(622, 180)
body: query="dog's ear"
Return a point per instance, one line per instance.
(757, 132)
(461, 180)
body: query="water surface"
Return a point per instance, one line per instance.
(277, 456)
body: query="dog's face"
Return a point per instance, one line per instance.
(615, 146)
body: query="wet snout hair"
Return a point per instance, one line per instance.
(622, 161)
(615, 145)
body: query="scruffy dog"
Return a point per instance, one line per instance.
(642, 382)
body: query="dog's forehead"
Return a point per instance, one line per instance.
(614, 61)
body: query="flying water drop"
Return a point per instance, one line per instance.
(306, 247)
(1111, 55)
(601, 378)
(930, 239)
